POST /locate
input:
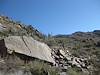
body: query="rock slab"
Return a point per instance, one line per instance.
(28, 46)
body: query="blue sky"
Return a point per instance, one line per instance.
(55, 16)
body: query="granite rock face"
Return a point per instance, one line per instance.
(28, 46)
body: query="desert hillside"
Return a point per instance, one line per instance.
(24, 50)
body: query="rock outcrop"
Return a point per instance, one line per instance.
(27, 46)
(2, 27)
(65, 60)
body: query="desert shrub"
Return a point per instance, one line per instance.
(98, 44)
(51, 42)
(4, 34)
(73, 71)
(41, 68)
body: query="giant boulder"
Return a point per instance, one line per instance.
(27, 46)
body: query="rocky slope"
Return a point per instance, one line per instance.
(9, 27)
(84, 45)
(23, 51)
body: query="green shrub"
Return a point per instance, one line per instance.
(73, 71)
(41, 68)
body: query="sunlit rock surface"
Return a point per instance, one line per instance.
(28, 46)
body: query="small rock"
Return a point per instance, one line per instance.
(63, 73)
(66, 67)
